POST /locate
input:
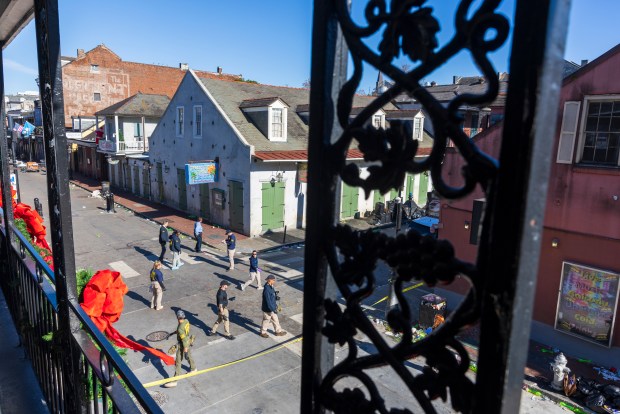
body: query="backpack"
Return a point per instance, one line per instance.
(153, 275)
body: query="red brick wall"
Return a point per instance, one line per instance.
(115, 81)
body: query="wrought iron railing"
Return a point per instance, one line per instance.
(340, 262)
(106, 384)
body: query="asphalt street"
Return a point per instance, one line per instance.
(269, 383)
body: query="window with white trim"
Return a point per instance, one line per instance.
(376, 121)
(197, 121)
(417, 129)
(277, 122)
(137, 130)
(601, 132)
(180, 121)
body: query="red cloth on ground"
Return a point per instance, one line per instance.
(103, 302)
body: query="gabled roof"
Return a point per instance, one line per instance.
(229, 95)
(260, 102)
(140, 104)
(402, 114)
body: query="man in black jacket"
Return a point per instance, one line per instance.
(222, 311)
(163, 239)
(175, 247)
(270, 309)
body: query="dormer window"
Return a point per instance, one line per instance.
(269, 115)
(376, 121)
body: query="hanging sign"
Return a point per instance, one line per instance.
(587, 303)
(302, 172)
(201, 173)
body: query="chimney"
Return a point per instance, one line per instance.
(584, 62)
(455, 79)
(183, 66)
(219, 70)
(80, 53)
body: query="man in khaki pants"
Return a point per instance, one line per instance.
(222, 311)
(231, 245)
(270, 309)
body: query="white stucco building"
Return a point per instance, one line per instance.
(258, 137)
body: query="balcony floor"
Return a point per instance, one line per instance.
(19, 390)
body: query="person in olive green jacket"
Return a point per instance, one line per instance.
(183, 348)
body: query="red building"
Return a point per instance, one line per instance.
(576, 304)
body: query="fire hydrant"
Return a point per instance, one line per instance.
(559, 368)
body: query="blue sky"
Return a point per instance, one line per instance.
(268, 41)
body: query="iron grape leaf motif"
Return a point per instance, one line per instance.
(349, 401)
(392, 147)
(412, 256)
(413, 31)
(339, 328)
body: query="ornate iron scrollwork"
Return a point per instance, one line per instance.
(407, 27)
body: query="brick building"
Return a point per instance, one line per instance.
(99, 78)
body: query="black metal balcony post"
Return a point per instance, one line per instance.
(329, 66)
(517, 201)
(7, 205)
(50, 80)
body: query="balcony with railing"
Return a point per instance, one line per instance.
(79, 370)
(137, 145)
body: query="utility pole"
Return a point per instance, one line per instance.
(398, 209)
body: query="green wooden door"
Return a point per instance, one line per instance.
(160, 182)
(350, 199)
(422, 190)
(393, 194)
(409, 186)
(204, 201)
(273, 206)
(136, 180)
(235, 191)
(377, 197)
(182, 189)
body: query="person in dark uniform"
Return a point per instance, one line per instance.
(222, 311)
(183, 348)
(163, 239)
(231, 245)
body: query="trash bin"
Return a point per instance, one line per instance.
(105, 187)
(431, 305)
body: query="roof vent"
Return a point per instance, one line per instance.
(584, 62)
(183, 66)
(219, 70)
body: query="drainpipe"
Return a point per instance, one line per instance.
(118, 136)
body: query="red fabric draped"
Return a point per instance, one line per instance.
(103, 302)
(35, 227)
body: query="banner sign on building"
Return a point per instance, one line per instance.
(201, 173)
(587, 303)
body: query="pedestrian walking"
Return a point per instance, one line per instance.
(163, 239)
(231, 244)
(183, 348)
(198, 234)
(270, 309)
(157, 286)
(175, 247)
(222, 311)
(254, 272)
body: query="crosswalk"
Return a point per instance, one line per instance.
(287, 262)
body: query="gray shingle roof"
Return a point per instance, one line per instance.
(230, 95)
(140, 104)
(258, 103)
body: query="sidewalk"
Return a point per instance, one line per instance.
(19, 390)
(212, 234)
